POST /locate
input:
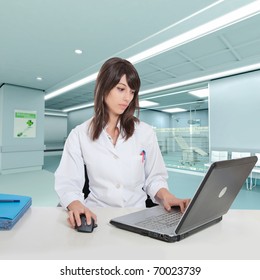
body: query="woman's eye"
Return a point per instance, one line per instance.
(120, 89)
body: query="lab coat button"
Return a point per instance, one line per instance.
(118, 186)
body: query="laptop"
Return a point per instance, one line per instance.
(212, 200)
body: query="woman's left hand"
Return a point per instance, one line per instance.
(168, 200)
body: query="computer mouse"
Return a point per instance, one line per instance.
(84, 227)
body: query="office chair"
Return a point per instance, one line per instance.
(148, 203)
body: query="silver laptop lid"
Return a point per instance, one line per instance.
(216, 192)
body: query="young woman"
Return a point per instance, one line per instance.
(121, 154)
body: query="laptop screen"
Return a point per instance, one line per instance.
(216, 192)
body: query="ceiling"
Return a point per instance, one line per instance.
(38, 39)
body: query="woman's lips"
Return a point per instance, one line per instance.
(123, 106)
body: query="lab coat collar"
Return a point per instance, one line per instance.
(118, 125)
(120, 136)
(106, 142)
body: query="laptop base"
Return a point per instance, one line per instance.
(164, 237)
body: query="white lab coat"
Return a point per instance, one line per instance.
(119, 176)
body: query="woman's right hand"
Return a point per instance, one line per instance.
(76, 208)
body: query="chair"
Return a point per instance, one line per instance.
(256, 169)
(258, 160)
(217, 156)
(235, 155)
(188, 153)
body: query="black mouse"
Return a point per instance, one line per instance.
(84, 227)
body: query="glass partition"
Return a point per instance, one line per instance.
(184, 148)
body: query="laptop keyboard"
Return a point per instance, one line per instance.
(163, 221)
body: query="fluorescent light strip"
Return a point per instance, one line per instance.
(72, 86)
(55, 114)
(183, 83)
(172, 25)
(74, 108)
(204, 78)
(205, 29)
(166, 94)
(214, 25)
(180, 104)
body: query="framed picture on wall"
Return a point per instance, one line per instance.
(25, 124)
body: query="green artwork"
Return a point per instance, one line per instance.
(24, 124)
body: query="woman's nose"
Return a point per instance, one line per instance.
(128, 95)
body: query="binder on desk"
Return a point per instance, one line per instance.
(12, 208)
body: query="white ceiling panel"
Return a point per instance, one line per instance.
(38, 38)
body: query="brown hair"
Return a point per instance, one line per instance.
(108, 77)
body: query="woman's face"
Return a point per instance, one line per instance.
(119, 97)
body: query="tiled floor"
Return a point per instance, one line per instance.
(40, 185)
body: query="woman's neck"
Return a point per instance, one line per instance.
(112, 129)
(113, 121)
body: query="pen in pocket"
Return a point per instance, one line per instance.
(143, 155)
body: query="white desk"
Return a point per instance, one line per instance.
(43, 233)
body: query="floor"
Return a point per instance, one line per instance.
(176, 160)
(40, 185)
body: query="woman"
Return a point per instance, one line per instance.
(121, 154)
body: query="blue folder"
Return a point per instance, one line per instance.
(12, 208)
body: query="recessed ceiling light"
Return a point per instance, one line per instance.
(201, 93)
(39, 78)
(147, 103)
(78, 51)
(174, 110)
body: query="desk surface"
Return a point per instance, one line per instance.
(43, 233)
